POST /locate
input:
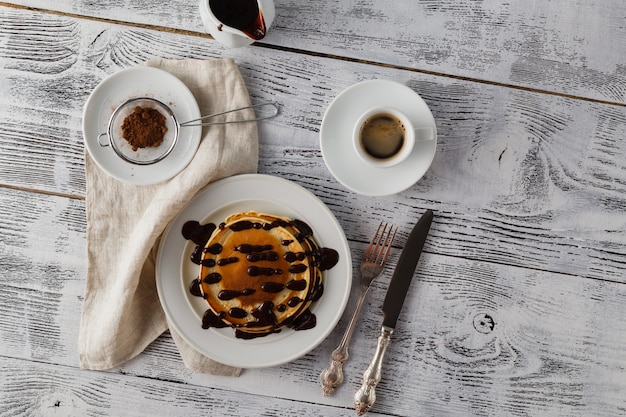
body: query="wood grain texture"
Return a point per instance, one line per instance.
(518, 304)
(569, 47)
(547, 351)
(36, 389)
(519, 177)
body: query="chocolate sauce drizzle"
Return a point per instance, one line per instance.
(322, 258)
(255, 271)
(230, 294)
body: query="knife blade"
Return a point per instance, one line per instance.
(365, 397)
(405, 269)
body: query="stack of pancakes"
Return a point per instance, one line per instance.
(258, 274)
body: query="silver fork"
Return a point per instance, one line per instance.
(371, 267)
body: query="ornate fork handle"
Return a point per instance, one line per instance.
(332, 376)
(372, 266)
(366, 395)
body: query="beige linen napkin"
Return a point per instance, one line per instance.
(121, 310)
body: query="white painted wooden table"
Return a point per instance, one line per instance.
(528, 187)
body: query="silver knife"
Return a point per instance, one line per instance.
(396, 293)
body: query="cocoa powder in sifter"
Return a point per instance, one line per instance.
(144, 127)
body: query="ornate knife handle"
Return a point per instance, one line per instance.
(366, 396)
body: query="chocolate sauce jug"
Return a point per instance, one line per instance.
(237, 23)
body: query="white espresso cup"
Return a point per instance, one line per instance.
(384, 136)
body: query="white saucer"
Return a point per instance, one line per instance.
(141, 82)
(336, 133)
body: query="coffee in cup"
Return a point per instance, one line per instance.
(384, 136)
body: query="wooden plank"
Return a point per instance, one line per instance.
(519, 177)
(37, 389)
(517, 305)
(554, 347)
(572, 48)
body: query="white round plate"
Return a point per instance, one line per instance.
(175, 271)
(336, 133)
(141, 82)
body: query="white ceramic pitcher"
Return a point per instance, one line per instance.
(231, 36)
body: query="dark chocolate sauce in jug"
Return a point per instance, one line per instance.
(240, 14)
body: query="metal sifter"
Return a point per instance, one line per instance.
(152, 155)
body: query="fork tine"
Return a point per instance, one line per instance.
(366, 255)
(388, 242)
(380, 245)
